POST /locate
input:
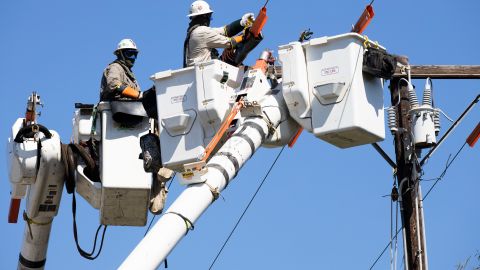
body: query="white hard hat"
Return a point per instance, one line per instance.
(198, 8)
(126, 44)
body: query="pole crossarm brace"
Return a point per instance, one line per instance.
(384, 155)
(441, 72)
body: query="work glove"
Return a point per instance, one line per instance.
(247, 19)
(131, 93)
(235, 41)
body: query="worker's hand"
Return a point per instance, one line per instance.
(247, 19)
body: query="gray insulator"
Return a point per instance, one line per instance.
(427, 97)
(436, 121)
(392, 119)
(413, 97)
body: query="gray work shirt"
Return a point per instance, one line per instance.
(202, 40)
(115, 75)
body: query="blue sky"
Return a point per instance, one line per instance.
(322, 207)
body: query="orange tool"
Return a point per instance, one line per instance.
(364, 19)
(295, 138)
(13, 210)
(213, 143)
(474, 136)
(259, 22)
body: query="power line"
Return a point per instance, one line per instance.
(444, 171)
(449, 163)
(385, 249)
(246, 208)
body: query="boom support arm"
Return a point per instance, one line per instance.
(222, 168)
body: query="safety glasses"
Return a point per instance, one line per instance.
(130, 53)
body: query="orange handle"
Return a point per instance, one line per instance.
(259, 22)
(13, 211)
(364, 20)
(295, 138)
(474, 136)
(221, 131)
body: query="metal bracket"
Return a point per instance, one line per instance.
(251, 109)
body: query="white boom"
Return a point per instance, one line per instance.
(44, 185)
(323, 90)
(187, 208)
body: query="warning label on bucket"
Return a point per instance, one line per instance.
(330, 71)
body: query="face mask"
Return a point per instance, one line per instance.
(130, 56)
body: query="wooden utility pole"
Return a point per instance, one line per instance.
(408, 181)
(408, 166)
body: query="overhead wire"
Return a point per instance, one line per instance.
(449, 163)
(246, 208)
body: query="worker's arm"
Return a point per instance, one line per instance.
(215, 38)
(117, 86)
(233, 28)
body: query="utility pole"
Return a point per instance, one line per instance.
(408, 181)
(408, 166)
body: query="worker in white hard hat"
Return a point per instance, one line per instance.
(119, 83)
(202, 40)
(118, 80)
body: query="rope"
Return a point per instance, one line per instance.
(31, 221)
(188, 223)
(385, 249)
(449, 163)
(154, 216)
(83, 253)
(246, 208)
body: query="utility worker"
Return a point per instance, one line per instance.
(202, 40)
(118, 80)
(119, 83)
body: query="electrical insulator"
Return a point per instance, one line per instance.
(392, 119)
(412, 95)
(427, 93)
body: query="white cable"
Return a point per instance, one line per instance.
(444, 114)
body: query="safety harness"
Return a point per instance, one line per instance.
(186, 42)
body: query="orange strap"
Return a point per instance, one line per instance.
(474, 136)
(213, 143)
(259, 22)
(364, 20)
